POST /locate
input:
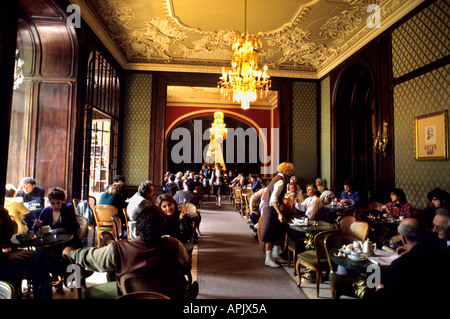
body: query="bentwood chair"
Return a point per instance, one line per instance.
(245, 198)
(6, 290)
(340, 284)
(360, 229)
(315, 260)
(237, 198)
(104, 223)
(168, 282)
(143, 295)
(345, 224)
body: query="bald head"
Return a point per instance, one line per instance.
(410, 229)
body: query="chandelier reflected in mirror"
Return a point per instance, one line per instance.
(218, 130)
(244, 81)
(18, 71)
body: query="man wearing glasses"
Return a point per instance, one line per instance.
(441, 226)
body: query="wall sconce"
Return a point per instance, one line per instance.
(18, 71)
(381, 141)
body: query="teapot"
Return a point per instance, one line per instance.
(369, 247)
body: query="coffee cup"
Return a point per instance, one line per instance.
(45, 229)
(357, 244)
(355, 254)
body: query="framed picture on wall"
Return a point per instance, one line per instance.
(431, 137)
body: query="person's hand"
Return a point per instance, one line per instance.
(281, 218)
(183, 212)
(66, 252)
(38, 223)
(20, 254)
(401, 250)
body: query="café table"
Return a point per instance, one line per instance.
(311, 230)
(47, 240)
(380, 257)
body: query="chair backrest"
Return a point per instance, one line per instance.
(92, 202)
(6, 290)
(360, 229)
(143, 295)
(319, 243)
(103, 214)
(117, 232)
(168, 282)
(345, 223)
(237, 194)
(336, 240)
(83, 230)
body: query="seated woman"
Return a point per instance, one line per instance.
(294, 192)
(16, 208)
(399, 206)
(178, 223)
(60, 216)
(312, 204)
(113, 197)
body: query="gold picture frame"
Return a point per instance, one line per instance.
(430, 132)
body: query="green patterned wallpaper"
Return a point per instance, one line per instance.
(419, 41)
(325, 132)
(422, 39)
(304, 131)
(422, 95)
(136, 139)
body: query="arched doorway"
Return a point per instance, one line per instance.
(353, 108)
(241, 155)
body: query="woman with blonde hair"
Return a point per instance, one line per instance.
(272, 229)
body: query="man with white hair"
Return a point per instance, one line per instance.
(441, 226)
(419, 273)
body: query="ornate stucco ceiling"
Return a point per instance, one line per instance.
(301, 38)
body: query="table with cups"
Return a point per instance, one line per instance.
(45, 237)
(310, 228)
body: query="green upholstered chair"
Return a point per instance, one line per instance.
(315, 260)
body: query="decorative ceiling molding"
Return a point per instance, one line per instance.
(315, 37)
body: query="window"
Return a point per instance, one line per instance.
(101, 126)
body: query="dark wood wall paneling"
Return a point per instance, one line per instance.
(46, 99)
(8, 26)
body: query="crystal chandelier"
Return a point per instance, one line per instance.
(18, 71)
(244, 81)
(218, 130)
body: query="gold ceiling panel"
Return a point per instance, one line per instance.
(303, 39)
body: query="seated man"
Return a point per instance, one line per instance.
(311, 205)
(33, 197)
(148, 252)
(143, 197)
(188, 195)
(26, 264)
(349, 197)
(405, 278)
